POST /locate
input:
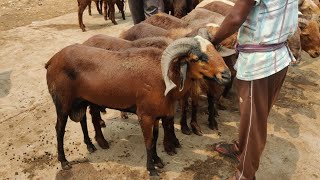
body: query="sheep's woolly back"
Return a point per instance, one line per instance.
(179, 33)
(203, 16)
(205, 2)
(165, 21)
(142, 30)
(157, 42)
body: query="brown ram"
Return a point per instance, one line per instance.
(143, 30)
(117, 44)
(82, 5)
(152, 93)
(310, 37)
(166, 21)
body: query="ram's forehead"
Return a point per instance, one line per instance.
(204, 44)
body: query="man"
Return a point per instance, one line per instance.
(261, 69)
(141, 9)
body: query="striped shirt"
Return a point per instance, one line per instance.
(269, 22)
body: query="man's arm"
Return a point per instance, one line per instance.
(234, 20)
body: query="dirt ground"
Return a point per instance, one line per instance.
(32, 31)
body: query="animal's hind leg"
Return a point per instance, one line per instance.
(112, 11)
(60, 130)
(105, 7)
(147, 123)
(170, 140)
(89, 8)
(95, 113)
(81, 8)
(91, 148)
(120, 5)
(98, 7)
(156, 159)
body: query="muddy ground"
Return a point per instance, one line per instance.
(32, 31)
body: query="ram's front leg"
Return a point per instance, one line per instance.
(170, 140)
(212, 111)
(194, 123)
(156, 159)
(183, 121)
(147, 124)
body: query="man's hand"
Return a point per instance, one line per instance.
(234, 20)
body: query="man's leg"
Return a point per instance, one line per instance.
(136, 9)
(255, 100)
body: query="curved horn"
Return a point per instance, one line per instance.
(203, 32)
(303, 21)
(175, 49)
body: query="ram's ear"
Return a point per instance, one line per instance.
(183, 75)
(225, 52)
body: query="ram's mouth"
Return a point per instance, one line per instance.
(221, 78)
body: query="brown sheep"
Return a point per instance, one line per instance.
(117, 44)
(143, 30)
(202, 16)
(198, 18)
(294, 44)
(82, 4)
(152, 93)
(310, 37)
(98, 5)
(219, 7)
(213, 91)
(109, 9)
(166, 21)
(205, 2)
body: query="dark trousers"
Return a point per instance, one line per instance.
(141, 9)
(256, 99)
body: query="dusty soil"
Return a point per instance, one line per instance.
(28, 38)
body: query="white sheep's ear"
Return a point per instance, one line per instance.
(225, 52)
(183, 75)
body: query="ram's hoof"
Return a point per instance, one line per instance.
(91, 148)
(172, 151)
(177, 143)
(65, 165)
(159, 163)
(153, 172)
(196, 129)
(185, 130)
(103, 143)
(213, 126)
